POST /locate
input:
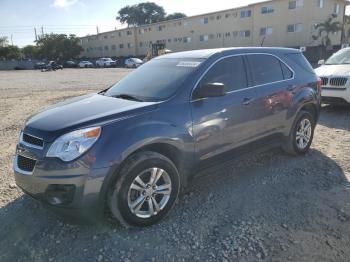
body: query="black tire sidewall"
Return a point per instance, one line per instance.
(127, 177)
(302, 115)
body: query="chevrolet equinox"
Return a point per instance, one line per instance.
(130, 149)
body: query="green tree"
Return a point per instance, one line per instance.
(175, 16)
(59, 46)
(325, 29)
(31, 52)
(141, 14)
(10, 52)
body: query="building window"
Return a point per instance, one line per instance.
(120, 34)
(295, 4)
(121, 46)
(211, 36)
(141, 44)
(160, 28)
(320, 3)
(205, 20)
(244, 33)
(336, 9)
(113, 47)
(295, 28)
(203, 38)
(235, 33)
(265, 31)
(218, 17)
(227, 15)
(106, 47)
(187, 40)
(246, 13)
(105, 37)
(267, 10)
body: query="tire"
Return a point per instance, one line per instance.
(123, 199)
(292, 144)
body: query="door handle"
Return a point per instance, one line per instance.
(246, 101)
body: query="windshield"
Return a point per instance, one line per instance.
(156, 80)
(340, 57)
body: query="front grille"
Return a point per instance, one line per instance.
(25, 164)
(338, 81)
(324, 81)
(32, 140)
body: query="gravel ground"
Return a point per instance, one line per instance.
(263, 206)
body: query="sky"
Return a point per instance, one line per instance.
(18, 18)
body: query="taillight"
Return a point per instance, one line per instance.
(319, 85)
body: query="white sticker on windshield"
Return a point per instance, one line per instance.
(188, 64)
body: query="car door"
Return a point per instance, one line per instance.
(271, 77)
(222, 123)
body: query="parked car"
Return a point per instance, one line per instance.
(85, 64)
(39, 65)
(53, 66)
(70, 64)
(133, 147)
(106, 62)
(133, 62)
(335, 75)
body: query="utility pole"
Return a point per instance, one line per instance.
(42, 30)
(97, 29)
(36, 36)
(11, 40)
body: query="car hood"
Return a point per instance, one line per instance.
(333, 70)
(82, 111)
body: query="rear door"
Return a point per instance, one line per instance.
(273, 81)
(222, 123)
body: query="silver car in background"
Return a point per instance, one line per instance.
(133, 63)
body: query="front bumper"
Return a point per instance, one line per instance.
(332, 95)
(72, 190)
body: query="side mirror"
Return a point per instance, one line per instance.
(210, 90)
(321, 62)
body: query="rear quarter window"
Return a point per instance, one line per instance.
(301, 61)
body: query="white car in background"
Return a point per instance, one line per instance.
(335, 75)
(85, 64)
(105, 62)
(133, 63)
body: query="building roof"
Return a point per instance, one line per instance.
(206, 53)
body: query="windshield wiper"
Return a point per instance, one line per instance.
(128, 97)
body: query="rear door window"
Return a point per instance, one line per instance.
(265, 69)
(230, 72)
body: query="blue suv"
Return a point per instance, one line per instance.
(130, 149)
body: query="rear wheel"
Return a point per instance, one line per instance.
(301, 135)
(146, 190)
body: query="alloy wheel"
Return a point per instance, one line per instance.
(304, 133)
(149, 193)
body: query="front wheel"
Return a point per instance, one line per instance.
(145, 191)
(301, 135)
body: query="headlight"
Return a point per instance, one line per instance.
(72, 145)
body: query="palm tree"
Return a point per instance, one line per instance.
(325, 29)
(3, 41)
